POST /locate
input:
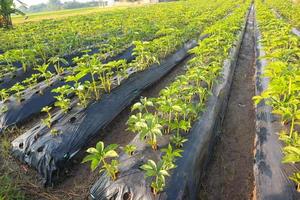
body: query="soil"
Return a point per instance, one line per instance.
(229, 174)
(79, 177)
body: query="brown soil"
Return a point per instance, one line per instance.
(230, 172)
(79, 178)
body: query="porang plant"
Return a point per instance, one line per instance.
(62, 100)
(158, 172)
(17, 90)
(98, 157)
(130, 149)
(282, 70)
(57, 62)
(145, 124)
(48, 119)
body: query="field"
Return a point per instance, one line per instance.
(170, 101)
(34, 17)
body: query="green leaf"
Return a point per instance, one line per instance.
(100, 146)
(111, 154)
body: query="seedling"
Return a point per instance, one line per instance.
(56, 61)
(144, 57)
(17, 89)
(170, 156)
(4, 94)
(158, 172)
(82, 92)
(89, 65)
(121, 67)
(3, 109)
(44, 73)
(105, 75)
(178, 140)
(142, 105)
(54, 132)
(62, 100)
(97, 156)
(129, 149)
(31, 81)
(48, 119)
(147, 126)
(296, 178)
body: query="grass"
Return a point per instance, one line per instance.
(34, 17)
(9, 189)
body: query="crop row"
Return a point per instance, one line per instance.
(48, 155)
(90, 77)
(282, 54)
(178, 105)
(287, 9)
(109, 32)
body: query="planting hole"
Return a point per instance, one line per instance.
(22, 100)
(72, 120)
(127, 196)
(36, 128)
(54, 122)
(40, 149)
(36, 136)
(21, 145)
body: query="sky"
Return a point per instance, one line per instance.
(33, 2)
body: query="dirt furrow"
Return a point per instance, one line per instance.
(229, 174)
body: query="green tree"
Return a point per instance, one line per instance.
(8, 7)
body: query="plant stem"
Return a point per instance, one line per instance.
(292, 126)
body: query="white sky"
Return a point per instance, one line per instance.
(33, 2)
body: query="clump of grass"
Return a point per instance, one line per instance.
(9, 189)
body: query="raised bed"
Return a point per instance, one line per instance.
(33, 101)
(271, 175)
(19, 75)
(51, 154)
(184, 180)
(12, 78)
(295, 31)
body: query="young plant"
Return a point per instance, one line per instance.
(144, 57)
(142, 105)
(54, 132)
(32, 80)
(178, 140)
(158, 172)
(17, 89)
(121, 67)
(62, 100)
(105, 75)
(48, 119)
(82, 92)
(97, 156)
(57, 61)
(129, 149)
(4, 94)
(170, 156)
(3, 109)
(89, 65)
(147, 126)
(44, 73)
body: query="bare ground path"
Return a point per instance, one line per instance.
(230, 172)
